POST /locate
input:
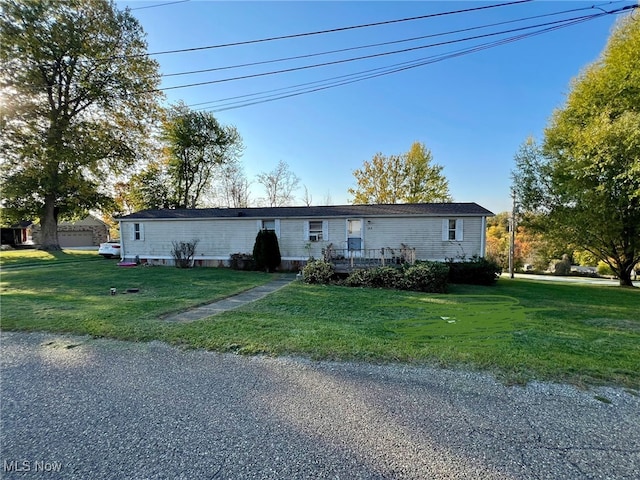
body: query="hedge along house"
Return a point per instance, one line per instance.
(392, 233)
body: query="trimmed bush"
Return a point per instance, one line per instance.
(386, 277)
(477, 271)
(242, 261)
(428, 277)
(421, 277)
(358, 278)
(266, 251)
(317, 271)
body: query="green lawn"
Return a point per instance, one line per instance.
(21, 258)
(519, 329)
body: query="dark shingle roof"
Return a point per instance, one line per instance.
(406, 209)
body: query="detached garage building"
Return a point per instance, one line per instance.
(88, 232)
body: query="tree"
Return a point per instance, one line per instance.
(196, 145)
(407, 178)
(530, 247)
(233, 186)
(280, 183)
(78, 91)
(585, 179)
(424, 181)
(148, 189)
(497, 248)
(307, 198)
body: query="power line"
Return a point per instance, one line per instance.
(392, 69)
(321, 32)
(372, 45)
(376, 55)
(414, 64)
(159, 5)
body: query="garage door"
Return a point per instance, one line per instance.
(75, 239)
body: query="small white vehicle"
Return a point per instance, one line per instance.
(110, 249)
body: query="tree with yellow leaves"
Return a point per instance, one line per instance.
(407, 178)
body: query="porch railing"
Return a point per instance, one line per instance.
(370, 257)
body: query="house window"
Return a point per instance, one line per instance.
(315, 230)
(138, 231)
(269, 225)
(452, 229)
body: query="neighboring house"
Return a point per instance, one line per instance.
(87, 232)
(18, 235)
(431, 231)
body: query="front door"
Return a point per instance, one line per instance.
(354, 237)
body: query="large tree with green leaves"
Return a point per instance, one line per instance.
(407, 178)
(196, 144)
(585, 178)
(143, 190)
(78, 91)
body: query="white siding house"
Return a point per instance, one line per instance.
(434, 231)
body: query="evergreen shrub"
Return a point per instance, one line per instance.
(477, 271)
(266, 251)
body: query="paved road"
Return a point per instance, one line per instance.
(102, 409)
(567, 279)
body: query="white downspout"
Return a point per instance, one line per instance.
(483, 237)
(121, 241)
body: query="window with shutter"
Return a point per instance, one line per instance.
(452, 230)
(316, 232)
(138, 231)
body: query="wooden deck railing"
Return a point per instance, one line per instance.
(344, 259)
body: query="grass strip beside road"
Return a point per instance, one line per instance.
(520, 329)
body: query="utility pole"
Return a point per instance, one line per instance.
(512, 239)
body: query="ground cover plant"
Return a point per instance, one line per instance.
(519, 329)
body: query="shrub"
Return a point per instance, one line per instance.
(358, 278)
(604, 269)
(477, 271)
(317, 271)
(386, 277)
(426, 277)
(266, 251)
(242, 261)
(563, 267)
(183, 253)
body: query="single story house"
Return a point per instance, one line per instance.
(431, 231)
(18, 235)
(85, 232)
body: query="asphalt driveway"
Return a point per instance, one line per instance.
(74, 407)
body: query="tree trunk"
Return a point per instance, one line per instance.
(625, 279)
(49, 226)
(625, 267)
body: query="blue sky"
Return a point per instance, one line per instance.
(472, 111)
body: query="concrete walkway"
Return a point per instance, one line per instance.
(231, 302)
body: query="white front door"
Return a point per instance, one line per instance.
(355, 243)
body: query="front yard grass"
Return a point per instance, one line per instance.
(520, 329)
